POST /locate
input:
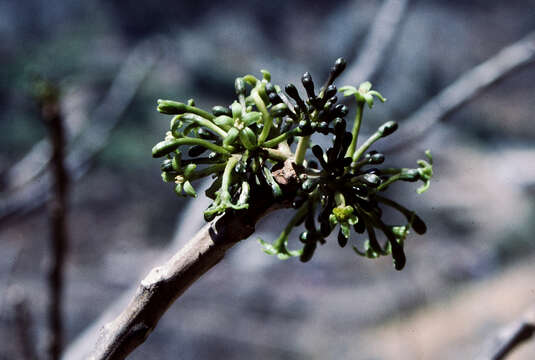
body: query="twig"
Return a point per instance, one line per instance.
(91, 141)
(373, 53)
(511, 337)
(58, 223)
(465, 89)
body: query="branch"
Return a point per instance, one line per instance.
(58, 225)
(465, 89)
(90, 142)
(373, 53)
(164, 284)
(511, 337)
(189, 223)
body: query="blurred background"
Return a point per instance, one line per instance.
(469, 276)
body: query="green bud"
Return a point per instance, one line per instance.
(167, 177)
(224, 120)
(219, 110)
(251, 118)
(188, 189)
(164, 147)
(189, 169)
(239, 85)
(170, 107)
(236, 110)
(410, 175)
(266, 75)
(232, 135)
(248, 138)
(279, 110)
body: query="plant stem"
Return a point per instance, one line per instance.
(282, 137)
(207, 171)
(301, 150)
(165, 147)
(388, 182)
(227, 174)
(280, 242)
(277, 154)
(206, 123)
(268, 121)
(356, 129)
(376, 136)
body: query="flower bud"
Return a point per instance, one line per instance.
(279, 110)
(221, 110)
(388, 128)
(239, 85)
(170, 107)
(196, 150)
(308, 252)
(330, 92)
(308, 84)
(342, 240)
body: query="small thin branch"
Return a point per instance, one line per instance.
(377, 43)
(511, 337)
(58, 226)
(465, 89)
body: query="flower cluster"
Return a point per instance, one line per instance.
(242, 144)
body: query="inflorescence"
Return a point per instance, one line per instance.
(241, 146)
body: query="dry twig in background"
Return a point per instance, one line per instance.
(85, 147)
(51, 114)
(511, 337)
(464, 89)
(377, 43)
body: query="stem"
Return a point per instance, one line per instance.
(165, 147)
(277, 154)
(206, 123)
(356, 129)
(280, 242)
(389, 181)
(301, 150)
(207, 171)
(282, 137)
(268, 121)
(227, 174)
(376, 136)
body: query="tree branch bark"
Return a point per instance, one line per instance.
(464, 89)
(164, 284)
